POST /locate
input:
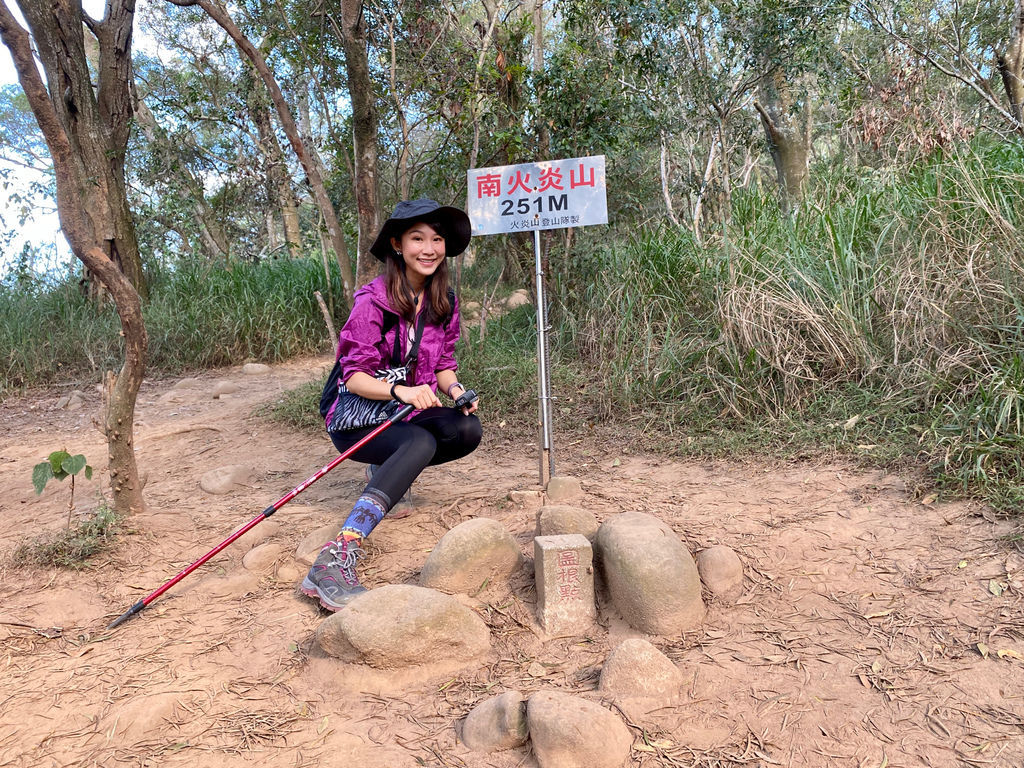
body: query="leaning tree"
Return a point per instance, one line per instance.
(85, 117)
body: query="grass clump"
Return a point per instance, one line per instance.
(895, 299)
(71, 547)
(299, 407)
(198, 316)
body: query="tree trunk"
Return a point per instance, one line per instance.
(1011, 66)
(364, 136)
(96, 121)
(788, 137)
(402, 176)
(91, 222)
(543, 134)
(316, 182)
(279, 187)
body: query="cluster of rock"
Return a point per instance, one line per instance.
(635, 562)
(642, 567)
(567, 731)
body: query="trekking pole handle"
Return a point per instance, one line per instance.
(404, 411)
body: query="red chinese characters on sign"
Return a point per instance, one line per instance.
(519, 181)
(550, 178)
(488, 185)
(581, 180)
(568, 575)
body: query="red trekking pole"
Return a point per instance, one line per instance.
(144, 602)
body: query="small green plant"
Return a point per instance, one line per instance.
(58, 465)
(72, 547)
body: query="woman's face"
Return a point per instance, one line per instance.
(422, 249)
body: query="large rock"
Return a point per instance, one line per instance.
(224, 388)
(637, 668)
(471, 553)
(518, 298)
(559, 519)
(651, 577)
(570, 732)
(255, 369)
(226, 479)
(721, 571)
(401, 625)
(262, 558)
(309, 548)
(496, 724)
(563, 488)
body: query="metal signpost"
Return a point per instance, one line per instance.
(553, 194)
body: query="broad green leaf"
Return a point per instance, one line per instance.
(41, 474)
(88, 472)
(73, 464)
(56, 459)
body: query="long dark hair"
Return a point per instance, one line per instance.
(400, 295)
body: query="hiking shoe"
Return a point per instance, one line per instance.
(332, 579)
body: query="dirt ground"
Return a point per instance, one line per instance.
(877, 626)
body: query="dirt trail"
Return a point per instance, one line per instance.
(855, 643)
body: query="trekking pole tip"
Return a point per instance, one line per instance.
(127, 615)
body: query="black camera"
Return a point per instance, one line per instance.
(466, 398)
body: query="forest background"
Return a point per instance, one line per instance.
(815, 240)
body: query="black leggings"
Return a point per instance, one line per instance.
(403, 450)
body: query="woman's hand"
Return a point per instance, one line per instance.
(471, 408)
(421, 396)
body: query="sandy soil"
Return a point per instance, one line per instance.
(877, 626)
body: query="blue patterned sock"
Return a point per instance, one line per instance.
(366, 513)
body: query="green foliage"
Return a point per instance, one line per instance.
(71, 547)
(979, 434)
(899, 299)
(58, 465)
(299, 407)
(198, 316)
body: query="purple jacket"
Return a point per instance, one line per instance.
(361, 347)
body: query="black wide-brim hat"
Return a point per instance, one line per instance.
(455, 222)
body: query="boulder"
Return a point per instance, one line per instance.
(224, 388)
(563, 488)
(72, 402)
(518, 298)
(637, 668)
(263, 557)
(311, 544)
(471, 553)
(255, 369)
(560, 519)
(287, 573)
(224, 479)
(721, 571)
(400, 625)
(651, 577)
(496, 724)
(570, 732)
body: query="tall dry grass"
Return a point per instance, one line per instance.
(906, 285)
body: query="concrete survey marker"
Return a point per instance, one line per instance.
(564, 572)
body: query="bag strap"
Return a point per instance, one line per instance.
(410, 359)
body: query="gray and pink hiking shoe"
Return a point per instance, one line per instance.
(332, 579)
